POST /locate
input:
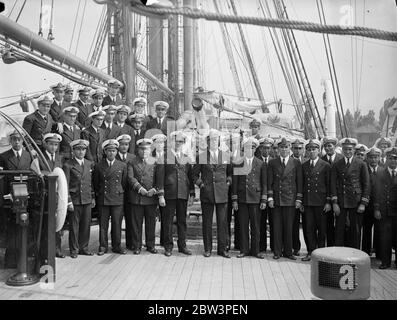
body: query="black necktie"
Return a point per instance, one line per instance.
(312, 164)
(18, 157)
(283, 162)
(330, 160)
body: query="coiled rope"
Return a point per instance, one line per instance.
(266, 22)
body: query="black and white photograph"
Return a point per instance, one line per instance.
(198, 156)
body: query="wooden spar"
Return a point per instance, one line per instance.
(128, 51)
(155, 58)
(187, 58)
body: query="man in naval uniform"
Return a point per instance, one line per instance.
(110, 180)
(113, 96)
(70, 132)
(122, 115)
(350, 190)
(285, 182)
(85, 108)
(212, 173)
(78, 172)
(385, 205)
(94, 135)
(316, 197)
(58, 90)
(178, 192)
(331, 156)
(110, 129)
(40, 122)
(161, 120)
(249, 194)
(360, 151)
(265, 145)
(383, 143)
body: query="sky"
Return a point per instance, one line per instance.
(366, 68)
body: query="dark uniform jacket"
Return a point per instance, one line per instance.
(127, 129)
(65, 151)
(110, 183)
(79, 181)
(56, 110)
(107, 100)
(178, 179)
(372, 179)
(284, 185)
(215, 177)
(56, 164)
(148, 175)
(84, 112)
(129, 157)
(37, 127)
(154, 124)
(385, 196)
(94, 150)
(249, 184)
(350, 185)
(110, 133)
(316, 183)
(338, 156)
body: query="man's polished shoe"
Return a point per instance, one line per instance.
(167, 253)
(291, 257)
(185, 251)
(102, 251)
(296, 253)
(86, 253)
(260, 256)
(59, 254)
(276, 257)
(207, 254)
(224, 254)
(152, 250)
(384, 266)
(119, 250)
(308, 257)
(242, 255)
(137, 251)
(73, 255)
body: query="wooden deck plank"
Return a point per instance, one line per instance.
(292, 285)
(248, 279)
(194, 284)
(227, 280)
(268, 279)
(302, 284)
(205, 280)
(279, 279)
(160, 286)
(216, 279)
(238, 280)
(261, 290)
(185, 278)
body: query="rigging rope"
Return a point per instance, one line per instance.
(20, 11)
(12, 9)
(74, 26)
(81, 24)
(267, 22)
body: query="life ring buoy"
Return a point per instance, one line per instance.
(62, 201)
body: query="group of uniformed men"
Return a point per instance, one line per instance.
(111, 163)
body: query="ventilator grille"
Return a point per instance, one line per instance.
(335, 275)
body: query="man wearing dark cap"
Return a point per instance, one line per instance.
(383, 143)
(161, 120)
(350, 189)
(68, 97)
(58, 90)
(137, 121)
(331, 156)
(78, 172)
(385, 205)
(70, 132)
(123, 112)
(40, 122)
(146, 191)
(15, 158)
(94, 135)
(110, 180)
(284, 196)
(316, 197)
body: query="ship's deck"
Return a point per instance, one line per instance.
(154, 276)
